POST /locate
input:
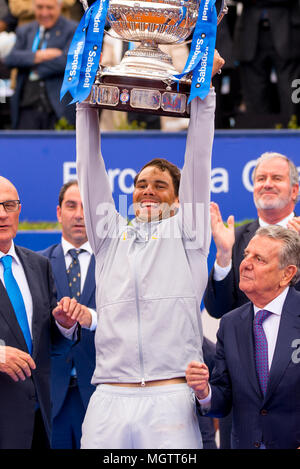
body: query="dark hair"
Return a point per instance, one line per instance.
(164, 165)
(63, 190)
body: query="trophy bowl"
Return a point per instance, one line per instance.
(144, 79)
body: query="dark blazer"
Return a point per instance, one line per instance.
(275, 419)
(19, 399)
(284, 18)
(51, 71)
(82, 353)
(223, 296)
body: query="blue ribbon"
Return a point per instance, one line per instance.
(201, 57)
(84, 52)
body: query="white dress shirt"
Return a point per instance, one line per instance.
(221, 272)
(19, 274)
(84, 261)
(270, 327)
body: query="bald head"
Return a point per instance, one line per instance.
(9, 220)
(5, 184)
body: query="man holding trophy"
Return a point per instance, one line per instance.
(152, 272)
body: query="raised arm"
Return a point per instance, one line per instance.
(194, 194)
(100, 214)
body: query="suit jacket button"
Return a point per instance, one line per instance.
(263, 412)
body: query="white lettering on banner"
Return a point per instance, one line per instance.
(205, 9)
(124, 178)
(195, 55)
(246, 175)
(219, 180)
(87, 74)
(122, 175)
(97, 19)
(202, 68)
(69, 171)
(75, 59)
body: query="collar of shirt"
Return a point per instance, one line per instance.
(282, 223)
(12, 253)
(275, 306)
(66, 246)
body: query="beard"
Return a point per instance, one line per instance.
(271, 203)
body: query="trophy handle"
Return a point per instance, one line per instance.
(84, 4)
(223, 11)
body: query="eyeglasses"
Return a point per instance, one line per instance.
(11, 205)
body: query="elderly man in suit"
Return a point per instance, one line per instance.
(71, 387)
(27, 327)
(257, 370)
(276, 187)
(40, 54)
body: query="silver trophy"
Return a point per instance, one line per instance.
(143, 81)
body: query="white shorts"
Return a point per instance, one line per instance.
(154, 417)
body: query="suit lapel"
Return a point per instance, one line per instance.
(289, 329)
(58, 264)
(243, 242)
(89, 284)
(249, 233)
(245, 342)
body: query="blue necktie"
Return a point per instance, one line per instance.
(16, 299)
(261, 349)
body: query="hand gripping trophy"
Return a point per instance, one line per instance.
(145, 80)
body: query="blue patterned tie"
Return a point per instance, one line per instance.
(73, 273)
(16, 299)
(261, 349)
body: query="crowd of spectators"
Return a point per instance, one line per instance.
(259, 39)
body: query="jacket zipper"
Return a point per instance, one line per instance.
(139, 319)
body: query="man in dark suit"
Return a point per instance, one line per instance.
(257, 359)
(27, 326)
(40, 54)
(267, 37)
(275, 194)
(71, 387)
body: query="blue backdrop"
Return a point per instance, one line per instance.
(38, 163)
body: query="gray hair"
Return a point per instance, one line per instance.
(289, 254)
(293, 171)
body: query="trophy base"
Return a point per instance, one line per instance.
(143, 95)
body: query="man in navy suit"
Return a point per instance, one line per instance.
(27, 327)
(276, 187)
(40, 54)
(72, 371)
(257, 366)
